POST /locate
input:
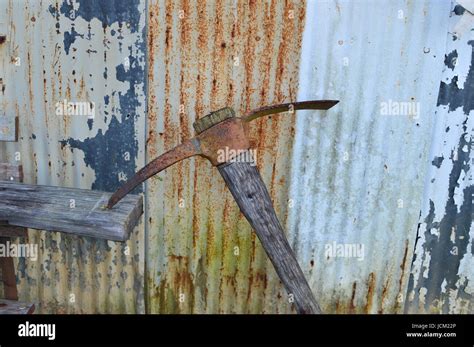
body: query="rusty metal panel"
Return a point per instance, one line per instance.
(357, 173)
(79, 94)
(7, 115)
(443, 264)
(202, 255)
(353, 177)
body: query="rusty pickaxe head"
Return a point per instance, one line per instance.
(217, 131)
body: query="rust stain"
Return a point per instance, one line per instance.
(384, 294)
(352, 306)
(402, 275)
(153, 22)
(370, 292)
(218, 54)
(339, 308)
(176, 289)
(30, 79)
(402, 266)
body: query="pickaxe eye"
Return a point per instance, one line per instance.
(228, 132)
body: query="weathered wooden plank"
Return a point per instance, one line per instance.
(7, 230)
(11, 172)
(8, 274)
(69, 210)
(245, 183)
(15, 307)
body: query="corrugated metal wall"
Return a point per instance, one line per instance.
(349, 176)
(81, 51)
(443, 264)
(357, 175)
(202, 255)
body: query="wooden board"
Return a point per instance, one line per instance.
(8, 274)
(7, 230)
(11, 172)
(15, 307)
(69, 210)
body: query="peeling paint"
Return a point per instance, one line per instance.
(449, 244)
(437, 161)
(111, 154)
(455, 96)
(69, 38)
(123, 12)
(450, 59)
(92, 54)
(443, 265)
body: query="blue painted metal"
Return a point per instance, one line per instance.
(443, 264)
(90, 52)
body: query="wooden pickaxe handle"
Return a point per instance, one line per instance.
(245, 183)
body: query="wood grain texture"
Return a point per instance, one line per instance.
(246, 185)
(12, 231)
(212, 119)
(8, 274)
(15, 307)
(11, 172)
(69, 210)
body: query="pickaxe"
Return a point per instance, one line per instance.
(222, 131)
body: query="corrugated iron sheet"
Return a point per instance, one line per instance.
(443, 264)
(357, 174)
(351, 176)
(202, 255)
(81, 51)
(7, 115)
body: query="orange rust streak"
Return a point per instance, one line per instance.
(384, 294)
(352, 304)
(402, 275)
(209, 37)
(370, 292)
